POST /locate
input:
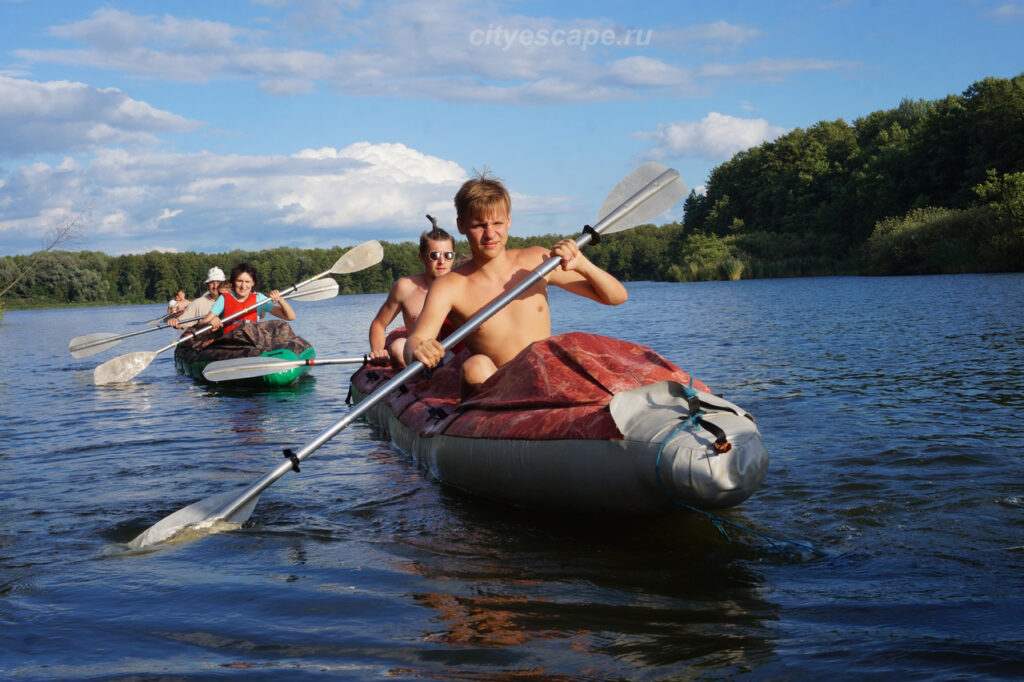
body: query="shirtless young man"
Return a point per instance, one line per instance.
(437, 252)
(483, 209)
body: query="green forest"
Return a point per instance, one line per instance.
(926, 187)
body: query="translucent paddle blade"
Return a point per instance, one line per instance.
(196, 516)
(317, 290)
(122, 368)
(361, 257)
(247, 368)
(639, 200)
(91, 344)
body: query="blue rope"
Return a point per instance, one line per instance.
(717, 521)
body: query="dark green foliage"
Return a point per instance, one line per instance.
(808, 202)
(64, 278)
(67, 278)
(988, 237)
(927, 241)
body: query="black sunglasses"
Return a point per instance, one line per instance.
(434, 255)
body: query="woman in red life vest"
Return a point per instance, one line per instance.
(243, 294)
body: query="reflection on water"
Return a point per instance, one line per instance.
(622, 595)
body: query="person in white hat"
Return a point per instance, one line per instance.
(200, 306)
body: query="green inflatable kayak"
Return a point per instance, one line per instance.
(272, 338)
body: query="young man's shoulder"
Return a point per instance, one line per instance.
(408, 283)
(530, 254)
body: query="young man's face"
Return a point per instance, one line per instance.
(487, 231)
(438, 258)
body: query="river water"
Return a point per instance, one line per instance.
(891, 408)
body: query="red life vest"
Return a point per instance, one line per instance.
(233, 305)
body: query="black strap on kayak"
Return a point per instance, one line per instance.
(288, 454)
(697, 417)
(721, 443)
(437, 413)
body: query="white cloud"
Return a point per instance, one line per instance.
(770, 69)
(647, 72)
(447, 49)
(116, 31)
(716, 137)
(1008, 12)
(207, 202)
(718, 36)
(62, 117)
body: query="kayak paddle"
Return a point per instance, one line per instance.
(158, 320)
(648, 192)
(247, 368)
(124, 367)
(91, 344)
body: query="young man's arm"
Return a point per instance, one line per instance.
(379, 327)
(422, 344)
(580, 276)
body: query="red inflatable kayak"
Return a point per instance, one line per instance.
(578, 422)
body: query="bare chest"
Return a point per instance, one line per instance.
(525, 318)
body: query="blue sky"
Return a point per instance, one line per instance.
(207, 126)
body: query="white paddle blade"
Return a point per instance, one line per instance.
(247, 368)
(195, 516)
(317, 290)
(91, 344)
(122, 368)
(359, 258)
(656, 200)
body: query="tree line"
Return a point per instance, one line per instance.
(91, 277)
(926, 187)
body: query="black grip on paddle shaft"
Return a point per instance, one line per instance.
(288, 454)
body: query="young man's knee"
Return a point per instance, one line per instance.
(475, 371)
(478, 368)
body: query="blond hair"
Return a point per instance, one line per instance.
(481, 195)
